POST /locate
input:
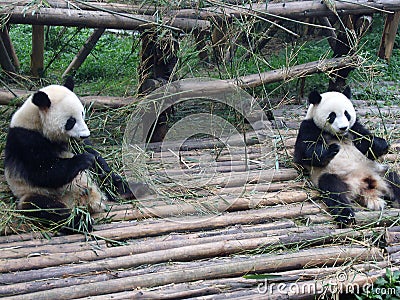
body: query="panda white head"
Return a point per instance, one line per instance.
(55, 111)
(332, 112)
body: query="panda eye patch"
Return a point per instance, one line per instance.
(70, 123)
(346, 113)
(331, 117)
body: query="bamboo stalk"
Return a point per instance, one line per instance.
(315, 257)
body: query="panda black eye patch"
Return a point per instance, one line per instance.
(346, 113)
(70, 123)
(331, 117)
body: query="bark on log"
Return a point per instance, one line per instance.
(314, 257)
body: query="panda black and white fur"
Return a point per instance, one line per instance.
(45, 176)
(340, 154)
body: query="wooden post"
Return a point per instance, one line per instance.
(157, 62)
(9, 47)
(341, 48)
(84, 51)
(37, 56)
(389, 35)
(5, 60)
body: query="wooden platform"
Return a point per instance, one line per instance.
(256, 215)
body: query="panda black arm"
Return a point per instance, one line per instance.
(36, 159)
(311, 148)
(368, 144)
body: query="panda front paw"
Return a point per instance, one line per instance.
(346, 217)
(84, 161)
(330, 153)
(380, 147)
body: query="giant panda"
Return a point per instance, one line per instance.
(340, 154)
(46, 177)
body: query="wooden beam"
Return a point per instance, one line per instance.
(84, 51)
(37, 55)
(97, 19)
(185, 19)
(389, 36)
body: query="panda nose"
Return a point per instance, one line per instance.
(343, 128)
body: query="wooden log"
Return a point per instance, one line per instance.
(37, 55)
(249, 81)
(43, 250)
(83, 53)
(158, 227)
(211, 206)
(301, 274)
(273, 11)
(354, 283)
(376, 218)
(5, 61)
(97, 19)
(9, 46)
(392, 235)
(325, 65)
(314, 257)
(389, 36)
(175, 250)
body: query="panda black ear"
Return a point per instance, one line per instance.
(41, 100)
(314, 97)
(347, 92)
(69, 83)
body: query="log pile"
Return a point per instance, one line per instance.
(212, 245)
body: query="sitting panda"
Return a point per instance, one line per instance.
(45, 176)
(341, 154)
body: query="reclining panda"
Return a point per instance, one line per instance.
(341, 154)
(46, 177)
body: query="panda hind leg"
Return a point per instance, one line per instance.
(334, 194)
(49, 212)
(393, 179)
